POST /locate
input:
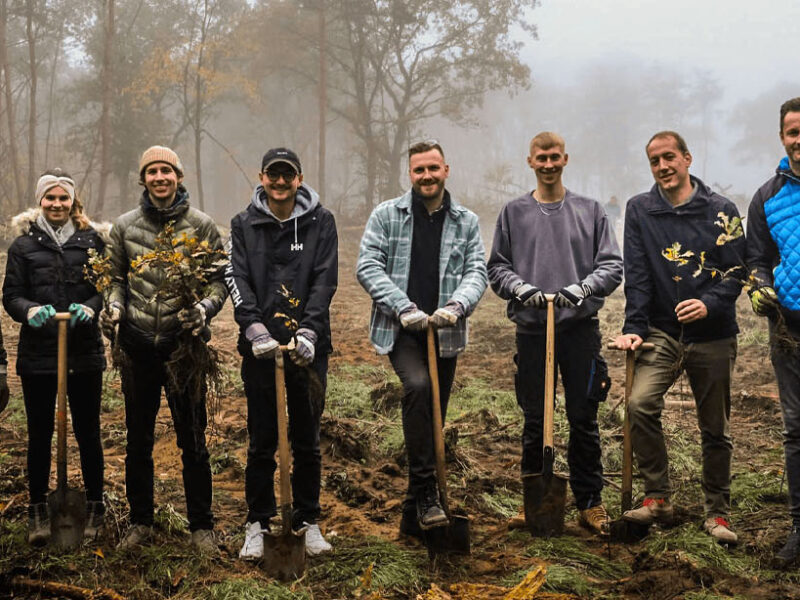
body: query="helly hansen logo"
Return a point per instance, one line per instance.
(296, 247)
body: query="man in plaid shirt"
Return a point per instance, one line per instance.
(422, 259)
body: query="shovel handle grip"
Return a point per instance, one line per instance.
(643, 346)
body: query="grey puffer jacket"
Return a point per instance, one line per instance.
(147, 322)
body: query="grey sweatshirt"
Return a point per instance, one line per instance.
(551, 248)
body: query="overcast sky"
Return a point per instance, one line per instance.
(748, 45)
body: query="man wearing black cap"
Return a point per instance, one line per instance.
(282, 277)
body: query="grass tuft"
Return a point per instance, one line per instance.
(700, 549)
(572, 553)
(249, 588)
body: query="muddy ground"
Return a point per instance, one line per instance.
(364, 482)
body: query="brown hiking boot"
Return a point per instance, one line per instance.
(719, 529)
(652, 509)
(595, 519)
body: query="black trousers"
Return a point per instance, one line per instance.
(83, 395)
(142, 381)
(305, 402)
(409, 357)
(584, 375)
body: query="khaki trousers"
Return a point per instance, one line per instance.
(708, 366)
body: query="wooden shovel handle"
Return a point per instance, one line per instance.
(436, 411)
(627, 447)
(62, 319)
(549, 372)
(283, 434)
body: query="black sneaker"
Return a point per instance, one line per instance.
(95, 518)
(429, 511)
(38, 524)
(789, 554)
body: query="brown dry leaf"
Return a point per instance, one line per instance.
(528, 587)
(435, 593)
(99, 552)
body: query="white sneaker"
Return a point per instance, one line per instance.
(253, 547)
(315, 543)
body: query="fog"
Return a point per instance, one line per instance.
(222, 81)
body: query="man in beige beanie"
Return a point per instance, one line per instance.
(148, 330)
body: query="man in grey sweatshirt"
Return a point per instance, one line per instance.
(553, 241)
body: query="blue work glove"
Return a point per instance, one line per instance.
(262, 343)
(414, 319)
(80, 314)
(448, 315)
(572, 296)
(303, 352)
(529, 295)
(39, 315)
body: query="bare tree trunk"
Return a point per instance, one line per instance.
(323, 100)
(50, 102)
(198, 109)
(105, 115)
(9, 96)
(31, 37)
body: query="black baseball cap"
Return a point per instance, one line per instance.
(280, 155)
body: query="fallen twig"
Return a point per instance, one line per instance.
(62, 589)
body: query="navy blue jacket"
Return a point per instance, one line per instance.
(652, 287)
(270, 258)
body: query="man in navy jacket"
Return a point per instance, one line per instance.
(282, 277)
(689, 315)
(774, 253)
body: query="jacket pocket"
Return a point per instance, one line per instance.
(599, 381)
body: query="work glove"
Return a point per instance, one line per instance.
(193, 318)
(764, 300)
(414, 319)
(109, 318)
(80, 314)
(303, 352)
(262, 343)
(572, 295)
(529, 295)
(448, 315)
(3, 387)
(39, 315)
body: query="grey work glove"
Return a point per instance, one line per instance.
(303, 352)
(39, 315)
(263, 344)
(448, 315)
(110, 318)
(3, 387)
(414, 319)
(529, 295)
(193, 318)
(572, 296)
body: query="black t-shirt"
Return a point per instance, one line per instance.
(426, 242)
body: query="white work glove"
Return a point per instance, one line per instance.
(414, 319)
(529, 295)
(448, 315)
(303, 352)
(193, 318)
(263, 344)
(109, 318)
(572, 295)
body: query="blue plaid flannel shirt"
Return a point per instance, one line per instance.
(384, 259)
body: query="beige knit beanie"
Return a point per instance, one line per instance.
(160, 154)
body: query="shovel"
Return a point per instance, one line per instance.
(622, 530)
(284, 552)
(453, 537)
(67, 507)
(545, 493)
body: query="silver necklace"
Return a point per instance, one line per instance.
(549, 211)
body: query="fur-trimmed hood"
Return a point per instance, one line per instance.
(21, 224)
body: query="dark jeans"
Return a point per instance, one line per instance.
(410, 361)
(305, 411)
(142, 381)
(787, 372)
(584, 375)
(83, 394)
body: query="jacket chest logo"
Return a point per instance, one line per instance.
(296, 247)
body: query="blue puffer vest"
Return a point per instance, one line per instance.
(783, 218)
